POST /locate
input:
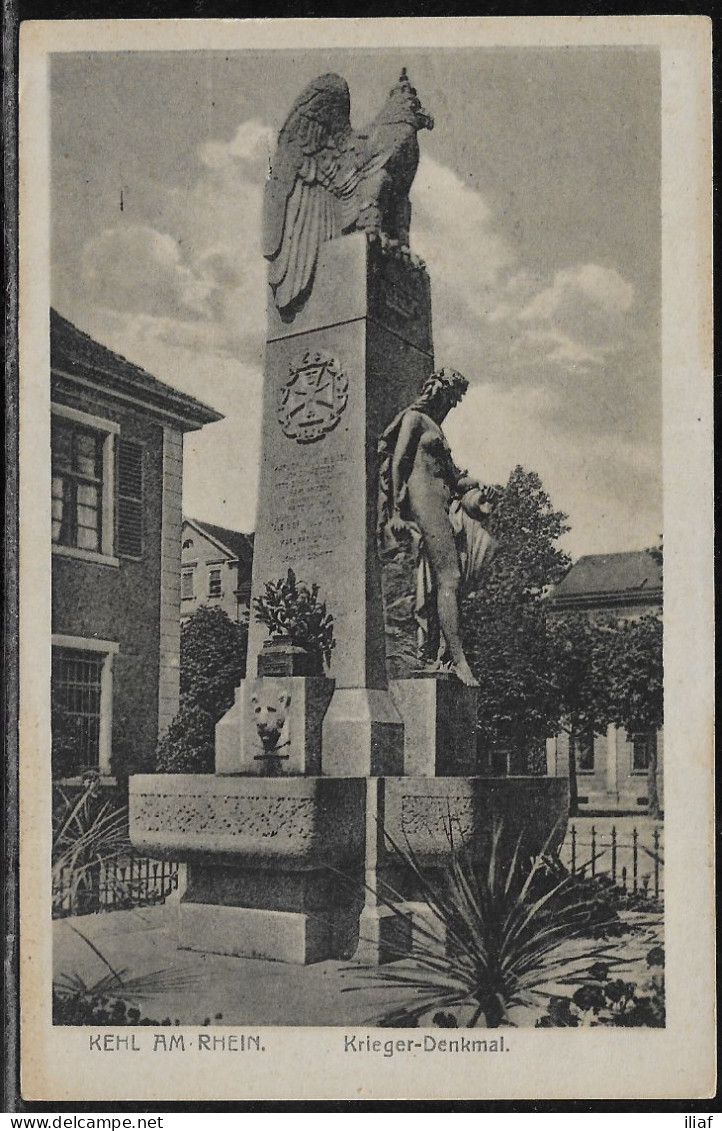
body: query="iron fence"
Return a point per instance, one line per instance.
(627, 858)
(113, 885)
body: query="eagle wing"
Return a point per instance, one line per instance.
(300, 210)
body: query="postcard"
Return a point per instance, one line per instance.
(366, 601)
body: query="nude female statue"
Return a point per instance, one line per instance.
(421, 486)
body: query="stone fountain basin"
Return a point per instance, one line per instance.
(288, 822)
(425, 816)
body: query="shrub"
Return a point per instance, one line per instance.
(602, 1000)
(212, 660)
(188, 746)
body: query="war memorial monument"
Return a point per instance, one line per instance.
(355, 729)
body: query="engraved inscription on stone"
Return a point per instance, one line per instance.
(313, 398)
(401, 298)
(312, 507)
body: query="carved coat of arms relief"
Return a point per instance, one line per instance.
(312, 400)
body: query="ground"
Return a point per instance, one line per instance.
(244, 991)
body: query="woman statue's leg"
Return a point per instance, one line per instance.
(447, 600)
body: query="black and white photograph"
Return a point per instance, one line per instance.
(368, 559)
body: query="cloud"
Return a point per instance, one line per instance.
(222, 460)
(453, 229)
(581, 315)
(564, 376)
(136, 268)
(252, 144)
(608, 483)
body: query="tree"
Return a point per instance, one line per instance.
(577, 649)
(504, 622)
(212, 664)
(634, 663)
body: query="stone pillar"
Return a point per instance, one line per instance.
(335, 376)
(385, 934)
(551, 752)
(611, 770)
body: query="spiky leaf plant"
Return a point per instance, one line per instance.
(113, 998)
(490, 939)
(87, 833)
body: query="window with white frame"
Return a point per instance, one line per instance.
(187, 588)
(83, 477)
(77, 486)
(215, 584)
(82, 705)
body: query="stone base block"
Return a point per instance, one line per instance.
(283, 936)
(439, 716)
(428, 934)
(274, 727)
(363, 735)
(430, 817)
(383, 936)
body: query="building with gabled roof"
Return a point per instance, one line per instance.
(623, 584)
(612, 768)
(216, 566)
(117, 471)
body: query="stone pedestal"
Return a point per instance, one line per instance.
(275, 865)
(439, 716)
(335, 376)
(292, 708)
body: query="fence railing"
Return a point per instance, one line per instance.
(632, 860)
(113, 885)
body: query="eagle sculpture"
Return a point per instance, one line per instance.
(328, 179)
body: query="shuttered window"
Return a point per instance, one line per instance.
(130, 498)
(215, 584)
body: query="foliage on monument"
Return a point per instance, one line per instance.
(188, 746)
(212, 660)
(290, 608)
(603, 1000)
(506, 937)
(504, 623)
(88, 831)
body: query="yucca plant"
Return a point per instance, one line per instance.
(491, 938)
(87, 834)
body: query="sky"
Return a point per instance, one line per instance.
(536, 207)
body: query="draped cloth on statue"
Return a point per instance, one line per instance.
(475, 547)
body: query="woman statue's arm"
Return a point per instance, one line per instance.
(403, 459)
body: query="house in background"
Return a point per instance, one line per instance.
(117, 472)
(611, 768)
(216, 565)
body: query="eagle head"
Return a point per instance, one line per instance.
(403, 97)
